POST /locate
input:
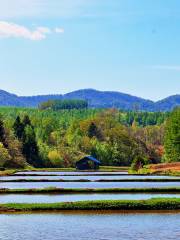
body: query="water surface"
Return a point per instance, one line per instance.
(26, 185)
(91, 178)
(96, 226)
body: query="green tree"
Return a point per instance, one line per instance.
(93, 131)
(26, 121)
(172, 137)
(30, 147)
(4, 155)
(18, 127)
(3, 137)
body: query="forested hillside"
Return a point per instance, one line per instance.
(95, 99)
(50, 138)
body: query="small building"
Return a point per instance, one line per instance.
(88, 163)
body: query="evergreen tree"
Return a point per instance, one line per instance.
(3, 138)
(30, 147)
(93, 131)
(26, 121)
(25, 132)
(172, 137)
(18, 127)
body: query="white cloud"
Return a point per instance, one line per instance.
(59, 30)
(12, 30)
(44, 30)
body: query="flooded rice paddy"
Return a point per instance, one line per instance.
(88, 226)
(68, 185)
(90, 178)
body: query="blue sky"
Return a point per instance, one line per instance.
(57, 46)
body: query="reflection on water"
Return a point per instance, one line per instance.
(41, 198)
(14, 185)
(90, 226)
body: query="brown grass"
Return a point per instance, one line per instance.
(165, 167)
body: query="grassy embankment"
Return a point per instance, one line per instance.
(152, 204)
(53, 190)
(101, 169)
(7, 172)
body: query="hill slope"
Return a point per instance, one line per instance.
(96, 99)
(108, 99)
(168, 103)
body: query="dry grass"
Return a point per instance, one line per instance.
(165, 167)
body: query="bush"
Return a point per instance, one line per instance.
(4, 155)
(55, 158)
(138, 163)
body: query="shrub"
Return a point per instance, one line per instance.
(55, 158)
(4, 155)
(138, 163)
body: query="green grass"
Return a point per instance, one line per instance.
(53, 190)
(152, 204)
(101, 169)
(50, 170)
(112, 168)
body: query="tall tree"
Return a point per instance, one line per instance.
(3, 138)
(93, 131)
(18, 127)
(24, 131)
(26, 121)
(30, 147)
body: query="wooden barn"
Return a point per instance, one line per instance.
(88, 163)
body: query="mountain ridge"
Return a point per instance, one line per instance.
(95, 98)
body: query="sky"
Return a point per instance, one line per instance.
(58, 46)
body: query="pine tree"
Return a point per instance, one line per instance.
(26, 121)
(3, 138)
(30, 146)
(93, 131)
(18, 128)
(24, 131)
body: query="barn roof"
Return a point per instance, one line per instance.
(91, 159)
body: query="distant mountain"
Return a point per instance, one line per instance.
(168, 103)
(108, 99)
(96, 99)
(8, 99)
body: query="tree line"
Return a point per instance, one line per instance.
(64, 104)
(52, 138)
